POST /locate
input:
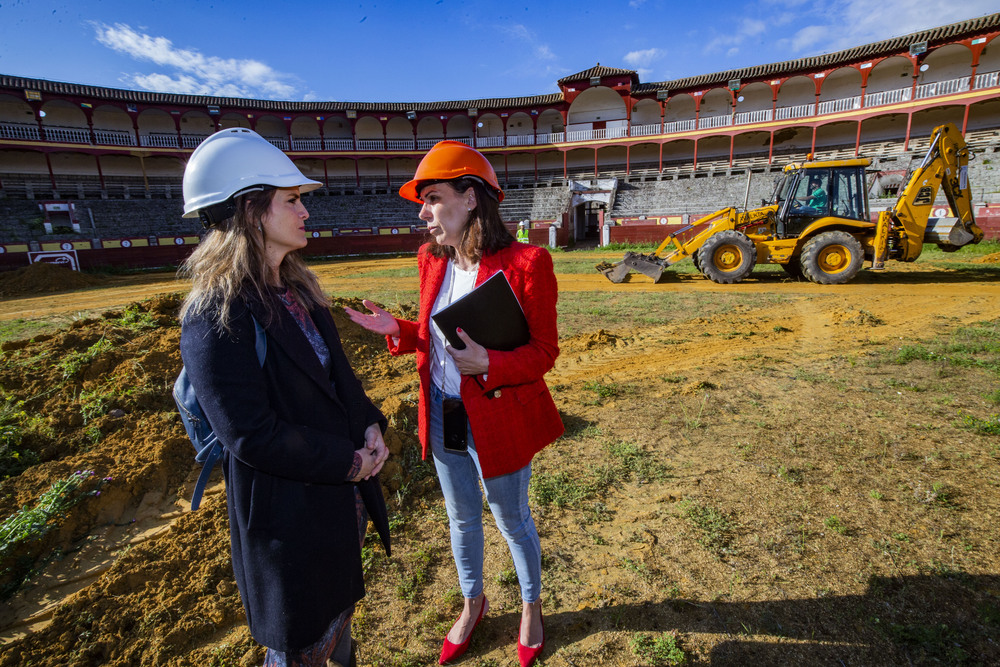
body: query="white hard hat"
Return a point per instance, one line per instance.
(231, 162)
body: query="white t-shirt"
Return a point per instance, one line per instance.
(457, 283)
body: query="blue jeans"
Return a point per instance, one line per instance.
(507, 495)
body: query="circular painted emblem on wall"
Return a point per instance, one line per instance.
(663, 221)
(126, 243)
(2, 250)
(395, 231)
(178, 241)
(66, 246)
(315, 235)
(940, 213)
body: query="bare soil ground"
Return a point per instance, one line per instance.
(774, 472)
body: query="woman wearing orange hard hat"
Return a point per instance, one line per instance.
(495, 401)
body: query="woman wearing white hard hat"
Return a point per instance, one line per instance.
(303, 443)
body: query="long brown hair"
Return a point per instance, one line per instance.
(484, 232)
(229, 261)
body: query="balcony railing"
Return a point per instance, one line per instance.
(678, 126)
(797, 111)
(114, 138)
(709, 122)
(987, 80)
(338, 144)
(400, 144)
(315, 144)
(158, 140)
(843, 104)
(948, 87)
(745, 117)
(68, 135)
(427, 144)
(20, 131)
(887, 97)
(76, 135)
(644, 130)
(191, 140)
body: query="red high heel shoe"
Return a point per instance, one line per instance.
(526, 655)
(451, 651)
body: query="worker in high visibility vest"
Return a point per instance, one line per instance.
(522, 231)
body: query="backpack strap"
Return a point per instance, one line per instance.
(213, 449)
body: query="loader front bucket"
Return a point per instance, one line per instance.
(614, 272)
(647, 265)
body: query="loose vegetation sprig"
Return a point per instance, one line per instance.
(29, 524)
(662, 651)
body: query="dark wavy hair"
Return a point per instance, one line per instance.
(484, 232)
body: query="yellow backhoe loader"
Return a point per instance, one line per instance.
(817, 224)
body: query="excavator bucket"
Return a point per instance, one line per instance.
(614, 272)
(647, 265)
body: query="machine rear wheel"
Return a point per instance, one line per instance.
(832, 258)
(727, 257)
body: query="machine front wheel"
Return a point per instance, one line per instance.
(727, 257)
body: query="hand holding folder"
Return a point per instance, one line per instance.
(490, 314)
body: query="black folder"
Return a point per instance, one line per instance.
(490, 315)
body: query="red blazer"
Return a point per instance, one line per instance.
(511, 412)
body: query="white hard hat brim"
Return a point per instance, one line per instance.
(234, 160)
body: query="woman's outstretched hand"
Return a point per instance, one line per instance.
(380, 321)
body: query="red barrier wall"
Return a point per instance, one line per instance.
(164, 255)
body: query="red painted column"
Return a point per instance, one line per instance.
(52, 177)
(100, 172)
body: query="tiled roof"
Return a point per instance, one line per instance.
(145, 97)
(827, 60)
(856, 54)
(600, 71)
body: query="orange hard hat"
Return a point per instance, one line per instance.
(449, 160)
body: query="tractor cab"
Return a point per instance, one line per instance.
(809, 191)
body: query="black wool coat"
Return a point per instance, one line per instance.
(289, 435)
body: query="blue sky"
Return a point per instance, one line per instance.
(429, 50)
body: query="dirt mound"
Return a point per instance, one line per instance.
(588, 341)
(44, 278)
(992, 258)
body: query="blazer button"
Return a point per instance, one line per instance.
(496, 393)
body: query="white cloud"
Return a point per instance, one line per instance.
(643, 58)
(193, 72)
(544, 52)
(852, 22)
(731, 43)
